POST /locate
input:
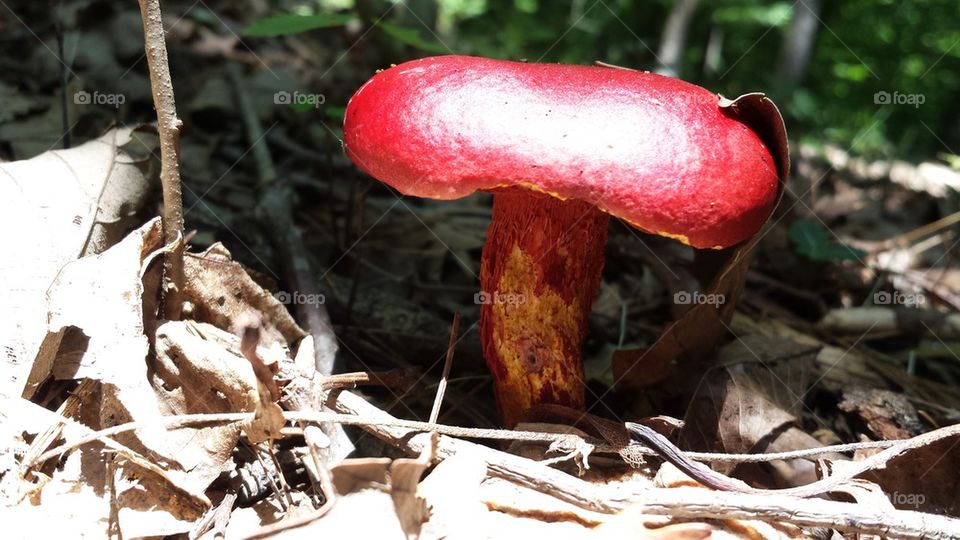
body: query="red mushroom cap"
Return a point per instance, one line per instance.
(660, 153)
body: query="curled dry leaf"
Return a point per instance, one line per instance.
(115, 353)
(198, 370)
(693, 336)
(404, 477)
(749, 406)
(86, 202)
(221, 291)
(109, 286)
(924, 479)
(148, 500)
(268, 421)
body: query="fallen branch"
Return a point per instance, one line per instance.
(319, 417)
(696, 503)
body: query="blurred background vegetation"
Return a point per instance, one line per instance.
(823, 62)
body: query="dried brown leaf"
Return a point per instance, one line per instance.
(221, 293)
(746, 407)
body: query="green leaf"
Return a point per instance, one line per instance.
(302, 107)
(807, 235)
(814, 242)
(413, 38)
(292, 23)
(777, 14)
(336, 113)
(840, 252)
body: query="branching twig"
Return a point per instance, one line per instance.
(168, 128)
(374, 418)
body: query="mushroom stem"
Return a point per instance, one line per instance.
(539, 275)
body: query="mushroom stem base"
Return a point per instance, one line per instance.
(539, 275)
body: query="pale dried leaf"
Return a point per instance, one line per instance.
(449, 508)
(404, 478)
(100, 297)
(746, 407)
(58, 206)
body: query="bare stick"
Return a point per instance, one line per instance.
(442, 387)
(319, 417)
(349, 381)
(168, 127)
(695, 503)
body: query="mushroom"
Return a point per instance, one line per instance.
(561, 148)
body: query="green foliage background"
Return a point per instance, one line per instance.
(862, 47)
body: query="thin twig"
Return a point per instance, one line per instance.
(277, 492)
(67, 409)
(279, 469)
(442, 387)
(216, 519)
(389, 379)
(319, 417)
(168, 128)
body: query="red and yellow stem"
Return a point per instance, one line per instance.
(539, 275)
